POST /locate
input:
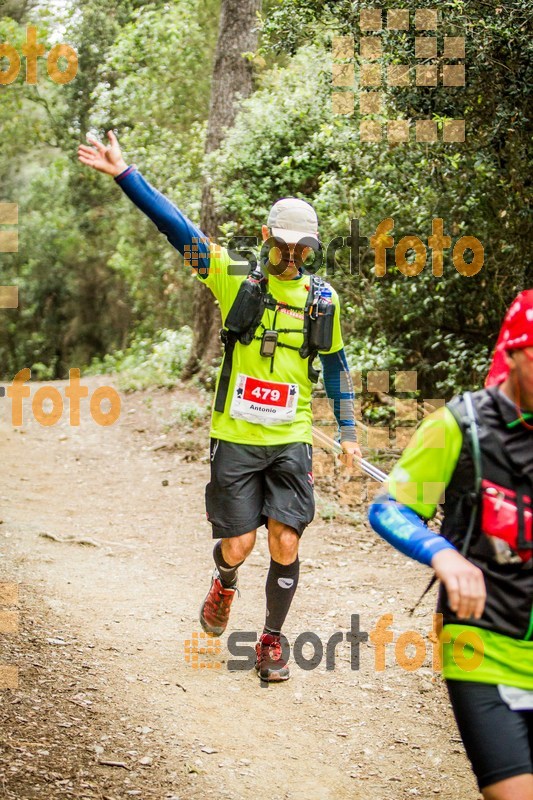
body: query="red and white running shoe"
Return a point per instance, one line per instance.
(214, 612)
(270, 664)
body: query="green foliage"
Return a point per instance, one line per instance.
(96, 277)
(155, 361)
(375, 354)
(42, 372)
(276, 146)
(189, 413)
(286, 141)
(91, 271)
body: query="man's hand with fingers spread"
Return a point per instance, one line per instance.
(464, 583)
(107, 159)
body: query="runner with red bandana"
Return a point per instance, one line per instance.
(474, 457)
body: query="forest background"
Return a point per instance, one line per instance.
(102, 290)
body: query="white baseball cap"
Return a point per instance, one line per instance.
(292, 219)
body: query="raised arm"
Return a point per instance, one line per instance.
(182, 234)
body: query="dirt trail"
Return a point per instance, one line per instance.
(103, 674)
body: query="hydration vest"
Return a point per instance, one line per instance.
(490, 498)
(245, 318)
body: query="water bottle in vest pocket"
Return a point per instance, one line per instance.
(321, 314)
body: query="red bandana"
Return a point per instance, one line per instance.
(516, 332)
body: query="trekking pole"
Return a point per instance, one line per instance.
(377, 475)
(371, 470)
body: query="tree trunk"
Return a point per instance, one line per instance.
(19, 10)
(232, 81)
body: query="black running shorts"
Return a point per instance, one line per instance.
(497, 740)
(250, 483)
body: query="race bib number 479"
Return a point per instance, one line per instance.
(264, 402)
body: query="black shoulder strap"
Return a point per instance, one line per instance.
(521, 483)
(230, 340)
(514, 468)
(305, 351)
(469, 425)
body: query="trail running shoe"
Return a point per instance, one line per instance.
(214, 613)
(270, 665)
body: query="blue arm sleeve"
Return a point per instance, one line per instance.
(179, 230)
(339, 389)
(402, 527)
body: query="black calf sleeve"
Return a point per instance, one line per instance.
(228, 574)
(281, 584)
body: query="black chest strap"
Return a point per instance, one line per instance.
(229, 340)
(305, 350)
(469, 424)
